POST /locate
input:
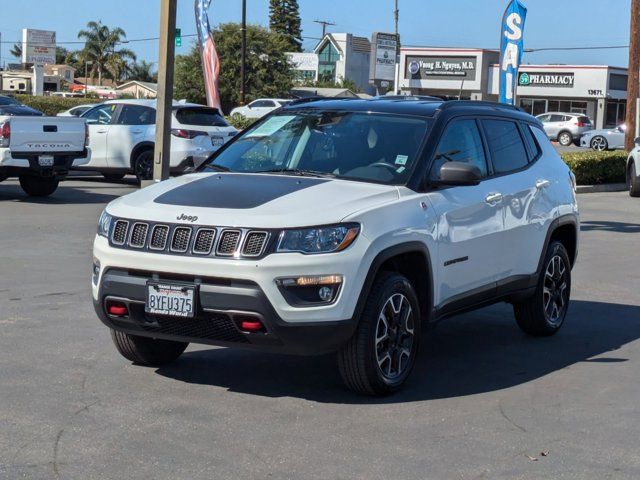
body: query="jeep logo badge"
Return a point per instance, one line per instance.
(187, 218)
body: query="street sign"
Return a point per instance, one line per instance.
(178, 37)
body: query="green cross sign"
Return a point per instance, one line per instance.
(178, 37)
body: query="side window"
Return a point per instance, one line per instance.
(544, 118)
(505, 144)
(556, 118)
(136, 115)
(532, 146)
(461, 142)
(101, 115)
(269, 103)
(259, 104)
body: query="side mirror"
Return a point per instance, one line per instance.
(459, 174)
(249, 107)
(637, 141)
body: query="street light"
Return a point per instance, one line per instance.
(86, 75)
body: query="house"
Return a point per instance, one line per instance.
(137, 89)
(65, 72)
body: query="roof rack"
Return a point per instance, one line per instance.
(314, 98)
(479, 103)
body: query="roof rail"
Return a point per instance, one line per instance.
(314, 98)
(480, 103)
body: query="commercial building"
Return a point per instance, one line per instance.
(598, 91)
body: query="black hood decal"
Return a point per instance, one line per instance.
(235, 190)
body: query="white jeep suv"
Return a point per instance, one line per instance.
(123, 134)
(343, 225)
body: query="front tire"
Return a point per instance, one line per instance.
(382, 352)
(634, 183)
(143, 165)
(145, 350)
(38, 186)
(544, 313)
(599, 144)
(565, 139)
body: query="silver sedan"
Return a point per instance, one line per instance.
(605, 139)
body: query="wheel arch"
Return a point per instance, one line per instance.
(137, 150)
(411, 259)
(564, 229)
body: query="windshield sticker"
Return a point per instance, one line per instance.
(271, 126)
(400, 169)
(401, 159)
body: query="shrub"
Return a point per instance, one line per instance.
(240, 121)
(592, 168)
(53, 105)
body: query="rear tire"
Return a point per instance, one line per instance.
(565, 139)
(145, 350)
(38, 186)
(113, 177)
(381, 353)
(544, 312)
(634, 183)
(143, 165)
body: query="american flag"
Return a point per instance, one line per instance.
(210, 62)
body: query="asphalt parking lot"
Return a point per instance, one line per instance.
(484, 401)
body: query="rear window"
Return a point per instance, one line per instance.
(201, 116)
(8, 101)
(584, 120)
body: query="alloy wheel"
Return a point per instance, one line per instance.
(599, 144)
(395, 331)
(554, 294)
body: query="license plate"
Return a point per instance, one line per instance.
(45, 160)
(217, 141)
(170, 299)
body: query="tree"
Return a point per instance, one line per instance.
(268, 73)
(100, 49)
(142, 71)
(16, 50)
(284, 19)
(340, 83)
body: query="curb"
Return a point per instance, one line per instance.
(607, 187)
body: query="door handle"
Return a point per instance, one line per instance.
(540, 184)
(101, 131)
(136, 131)
(493, 198)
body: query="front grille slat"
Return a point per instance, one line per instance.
(138, 236)
(228, 242)
(180, 239)
(254, 244)
(203, 242)
(119, 235)
(159, 237)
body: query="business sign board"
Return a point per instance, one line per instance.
(38, 46)
(546, 79)
(511, 47)
(382, 68)
(303, 61)
(441, 68)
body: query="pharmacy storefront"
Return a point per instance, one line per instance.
(598, 91)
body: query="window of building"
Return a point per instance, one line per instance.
(615, 113)
(508, 153)
(461, 142)
(327, 59)
(618, 82)
(533, 106)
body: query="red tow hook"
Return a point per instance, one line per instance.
(117, 309)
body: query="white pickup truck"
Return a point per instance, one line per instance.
(41, 150)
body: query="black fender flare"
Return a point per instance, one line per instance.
(139, 148)
(383, 256)
(568, 219)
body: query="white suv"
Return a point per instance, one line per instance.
(122, 136)
(343, 225)
(259, 108)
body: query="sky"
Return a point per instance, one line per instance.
(448, 23)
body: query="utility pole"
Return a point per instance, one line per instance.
(324, 24)
(396, 16)
(243, 51)
(633, 84)
(165, 90)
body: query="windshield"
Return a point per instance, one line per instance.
(360, 146)
(8, 101)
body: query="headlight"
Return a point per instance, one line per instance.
(333, 238)
(104, 224)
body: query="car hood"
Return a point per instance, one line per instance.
(251, 200)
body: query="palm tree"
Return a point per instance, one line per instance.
(100, 49)
(16, 50)
(142, 71)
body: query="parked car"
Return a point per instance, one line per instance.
(343, 226)
(123, 132)
(605, 139)
(40, 150)
(566, 128)
(77, 111)
(633, 170)
(259, 108)
(9, 106)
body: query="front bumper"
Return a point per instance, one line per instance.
(221, 305)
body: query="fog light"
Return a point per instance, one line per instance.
(95, 272)
(310, 290)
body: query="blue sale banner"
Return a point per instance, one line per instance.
(511, 46)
